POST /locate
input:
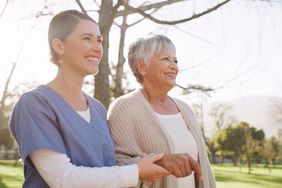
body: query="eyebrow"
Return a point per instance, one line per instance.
(165, 56)
(90, 34)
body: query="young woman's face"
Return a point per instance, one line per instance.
(83, 49)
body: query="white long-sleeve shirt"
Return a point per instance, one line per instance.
(58, 172)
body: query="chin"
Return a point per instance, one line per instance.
(172, 84)
(95, 72)
(92, 72)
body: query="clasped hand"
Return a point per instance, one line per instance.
(180, 165)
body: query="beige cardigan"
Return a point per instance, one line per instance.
(135, 129)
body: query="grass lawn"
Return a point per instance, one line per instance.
(10, 176)
(230, 176)
(227, 176)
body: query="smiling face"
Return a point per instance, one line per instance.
(81, 50)
(162, 70)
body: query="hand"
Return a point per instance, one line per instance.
(180, 165)
(149, 171)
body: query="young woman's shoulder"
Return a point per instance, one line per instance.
(33, 97)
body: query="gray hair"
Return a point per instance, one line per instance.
(145, 48)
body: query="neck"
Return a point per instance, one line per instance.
(159, 100)
(67, 86)
(70, 89)
(154, 93)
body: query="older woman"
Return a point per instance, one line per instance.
(149, 121)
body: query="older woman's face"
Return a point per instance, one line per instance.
(162, 69)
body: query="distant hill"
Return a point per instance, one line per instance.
(258, 111)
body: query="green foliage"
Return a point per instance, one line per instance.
(270, 150)
(231, 177)
(241, 141)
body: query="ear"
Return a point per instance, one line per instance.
(58, 46)
(141, 67)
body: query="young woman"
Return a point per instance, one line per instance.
(62, 133)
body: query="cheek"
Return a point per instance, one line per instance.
(77, 48)
(101, 50)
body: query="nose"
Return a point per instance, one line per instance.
(97, 47)
(173, 64)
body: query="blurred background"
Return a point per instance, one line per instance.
(230, 61)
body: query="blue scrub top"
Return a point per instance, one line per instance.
(43, 119)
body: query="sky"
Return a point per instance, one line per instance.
(236, 49)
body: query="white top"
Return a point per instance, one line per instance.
(85, 114)
(58, 172)
(183, 141)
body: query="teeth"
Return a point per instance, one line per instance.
(94, 60)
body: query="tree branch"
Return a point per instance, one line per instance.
(97, 4)
(190, 88)
(138, 21)
(146, 7)
(5, 6)
(7, 83)
(194, 16)
(81, 6)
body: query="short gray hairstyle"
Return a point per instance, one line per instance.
(145, 48)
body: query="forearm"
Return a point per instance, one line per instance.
(58, 172)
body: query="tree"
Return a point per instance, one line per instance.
(198, 110)
(241, 140)
(270, 151)
(230, 140)
(5, 137)
(253, 142)
(108, 12)
(222, 115)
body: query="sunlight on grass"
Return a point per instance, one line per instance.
(10, 176)
(226, 176)
(230, 176)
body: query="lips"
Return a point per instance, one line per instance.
(171, 74)
(93, 59)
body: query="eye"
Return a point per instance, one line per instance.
(99, 39)
(86, 38)
(175, 61)
(165, 58)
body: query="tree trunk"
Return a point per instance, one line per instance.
(213, 157)
(102, 87)
(235, 160)
(249, 166)
(121, 60)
